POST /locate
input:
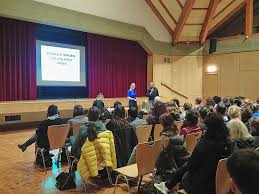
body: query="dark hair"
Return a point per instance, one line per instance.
(93, 114)
(255, 126)
(100, 105)
(116, 103)
(216, 127)
(52, 110)
(167, 121)
(237, 102)
(221, 108)
(204, 111)
(216, 99)
(91, 131)
(255, 108)
(187, 106)
(246, 114)
(231, 101)
(133, 112)
(198, 100)
(210, 102)
(119, 112)
(176, 102)
(159, 109)
(243, 168)
(78, 110)
(191, 117)
(226, 102)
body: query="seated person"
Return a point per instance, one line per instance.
(199, 171)
(234, 112)
(246, 115)
(135, 121)
(93, 116)
(78, 118)
(239, 133)
(41, 134)
(255, 129)
(255, 109)
(118, 121)
(145, 109)
(198, 101)
(221, 108)
(243, 168)
(190, 124)
(187, 106)
(158, 110)
(203, 112)
(104, 113)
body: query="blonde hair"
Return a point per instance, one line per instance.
(234, 112)
(237, 129)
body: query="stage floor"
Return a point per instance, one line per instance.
(18, 174)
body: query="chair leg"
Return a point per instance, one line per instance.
(43, 159)
(109, 176)
(116, 182)
(139, 183)
(36, 154)
(68, 158)
(127, 183)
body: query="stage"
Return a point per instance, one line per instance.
(16, 114)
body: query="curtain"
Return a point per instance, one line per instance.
(113, 64)
(17, 60)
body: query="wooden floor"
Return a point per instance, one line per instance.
(18, 175)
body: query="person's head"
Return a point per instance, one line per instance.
(237, 129)
(133, 112)
(231, 101)
(187, 106)
(100, 96)
(78, 111)
(100, 105)
(176, 102)
(198, 100)
(237, 102)
(191, 118)
(119, 112)
(93, 114)
(210, 102)
(167, 121)
(234, 112)
(203, 112)
(221, 108)
(255, 108)
(159, 109)
(257, 101)
(255, 125)
(243, 168)
(226, 102)
(116, 103)
(132, 86)
(52, 110)
(216, 129)
(91, 131)
(152, 84)
(217, 99)
(246, 114)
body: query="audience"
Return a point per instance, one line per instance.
(187, 106)
(246, 115)
(255, 109)
(216, 99)
(118, 121)
(198, 101)
(200, 170)
(104, 113)
(135, 121)
(255, 129)
(221, 109)
(234, 112)
(190, 124)
(243, 168)
(158, 110)
(93, 116)
(204, 111)
(78, 118)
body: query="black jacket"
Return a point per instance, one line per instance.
(153, 95)
(42, 132)
(248, 143)
(203, 162)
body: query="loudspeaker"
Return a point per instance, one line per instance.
(213, 46)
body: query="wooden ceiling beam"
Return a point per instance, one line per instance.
(167, 11)
(208, 19)
(179, 3)
(227, 17)
(249, 18)
(160, 17)
(182, 19)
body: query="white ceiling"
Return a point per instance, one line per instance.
(135, 12)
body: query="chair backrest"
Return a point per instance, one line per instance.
(191, 140)
(76, 128)
(147, 154)
(222, 178)
(179, 124)
(57, 135)
(143, 133)
(157, 130)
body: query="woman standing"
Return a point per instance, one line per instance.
(132, 95)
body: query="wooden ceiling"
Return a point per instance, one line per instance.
(194, 20)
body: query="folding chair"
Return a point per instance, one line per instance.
(157, 130)
(76, 128)
(57, 135)
(191, 140)
(147, 155)
(143, 133)
(222, 178)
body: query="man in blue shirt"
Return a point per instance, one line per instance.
(132, 95)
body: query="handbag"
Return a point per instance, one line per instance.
(65, 181)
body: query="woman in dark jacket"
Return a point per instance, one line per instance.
(202, 165)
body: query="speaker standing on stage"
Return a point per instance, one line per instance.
(132, 95)
(152, 92)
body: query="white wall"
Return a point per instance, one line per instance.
(135, 12)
